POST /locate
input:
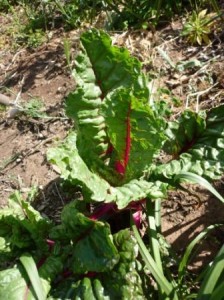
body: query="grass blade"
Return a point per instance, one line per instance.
(188, 251)
(191, 177)
(161, 280)
(218, 293)
(31, 269)
(212, 277)
(152, 233)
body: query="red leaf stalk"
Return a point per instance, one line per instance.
(102, 210)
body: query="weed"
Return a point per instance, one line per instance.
(68, 54)
(198, 28)
(34, 108)
(2, 108)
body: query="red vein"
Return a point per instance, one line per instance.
(121, 165)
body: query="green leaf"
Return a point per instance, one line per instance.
(124, 282)
(120, 110)
(21, 226)
(51, 267)
(95, 252)
(102, 72)
(121, 282)
(74, 169)
(203, 155)
(115, 126)
(188, 252)
(14, 285)
(31, 269)
(93, 248)
(136, 190)
(211, 278)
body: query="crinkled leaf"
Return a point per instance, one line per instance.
(204, 155)
(122, 282)
(183, 133)
(134, 132)
(95, 252)
(101, 71)
(108, 66)
(74, 169)
(136, 190)
(93, 248)
(21, 226)
(51, 267)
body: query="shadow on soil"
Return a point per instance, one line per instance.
(46, 62)
(184, 218)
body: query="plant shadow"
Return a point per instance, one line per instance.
(183, 218)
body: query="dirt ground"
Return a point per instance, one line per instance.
(43, 73)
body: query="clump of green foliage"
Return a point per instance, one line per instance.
(198, 28)
(113, 155)
(40, 16)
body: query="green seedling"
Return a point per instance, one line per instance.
(198, 28)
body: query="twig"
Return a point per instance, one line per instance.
(13, 59)
(19, 93)
(198, 95)
(25, 153)
(59, 194)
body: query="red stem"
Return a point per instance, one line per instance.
(102, 210)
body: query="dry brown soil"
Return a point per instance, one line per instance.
(43, 73)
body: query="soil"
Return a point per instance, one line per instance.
(43, 73)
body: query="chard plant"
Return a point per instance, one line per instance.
(114, 155)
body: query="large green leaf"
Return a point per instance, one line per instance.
(115, 124)
(93, 249)
(203, 153)
(100, 68)
(74, 169)
(134, 132)
(122, 282)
